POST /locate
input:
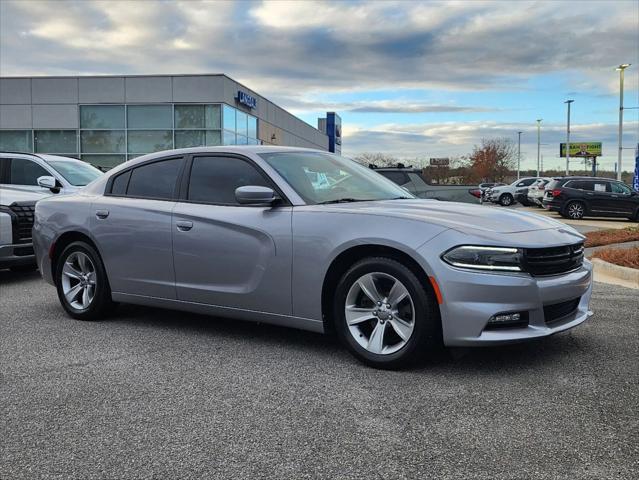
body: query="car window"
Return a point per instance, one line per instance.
(214, 179)
(600, 186)
(400, 178)
(155, 180)
(527, 182)
(620, 188)
(417, 179)
(78, 173)
(25, 172)
(120, 183)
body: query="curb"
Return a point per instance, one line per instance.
(611, 273)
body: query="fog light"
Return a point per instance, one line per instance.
(506, 320)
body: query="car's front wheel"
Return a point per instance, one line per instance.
(384, 315)
(506, 200)
(83, 287)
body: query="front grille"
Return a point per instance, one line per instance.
(553, 260)
(23, 221)
(557, 311)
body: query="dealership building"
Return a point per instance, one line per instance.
(107, 120)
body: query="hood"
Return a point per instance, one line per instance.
(458, 216)
(10, 195)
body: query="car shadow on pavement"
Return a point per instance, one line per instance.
(7, 276)
(519, 357)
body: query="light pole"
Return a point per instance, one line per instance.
(568, 139)
(620, 69)
(519, 154)
(538, 144)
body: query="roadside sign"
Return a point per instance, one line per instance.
(440, 162)
(581, 149)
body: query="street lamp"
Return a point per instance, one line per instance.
(538, 144)
(568, 139)
(519, 154)
(620, 69)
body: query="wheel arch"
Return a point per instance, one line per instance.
(66, 239)
(345, 259)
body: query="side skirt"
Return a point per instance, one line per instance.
(216, 310)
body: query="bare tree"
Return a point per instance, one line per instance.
(377, 159)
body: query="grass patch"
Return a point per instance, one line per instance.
(626, 257)
(607, 237)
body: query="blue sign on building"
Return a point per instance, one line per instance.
(334, 132)
(635, 182)
(246, 99)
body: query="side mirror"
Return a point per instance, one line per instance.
(48, 182)
(254, 195)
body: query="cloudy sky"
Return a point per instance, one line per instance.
(408, 78)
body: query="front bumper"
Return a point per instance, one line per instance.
(16, 254)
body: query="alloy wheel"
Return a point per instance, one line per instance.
(78, 280)
(575, 211)
(379, 312)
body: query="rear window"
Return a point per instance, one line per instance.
(399, 178)
(553, 184)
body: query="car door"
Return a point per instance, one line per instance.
(227, 254)
(131, 224)
(621, 200)
(598, 194)
(22, 173)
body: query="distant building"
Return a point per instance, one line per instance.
(106, 120)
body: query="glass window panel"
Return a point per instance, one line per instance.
(120, 182)
(242, 140)
(229, 118)
(228, 137)
(102, 116)
(149, 116)
(212, 118)
(241, 120)
(104, 162)
(25, 172)
(102, 141)
(197, 138)
(155, 180)
(76, 173)
(147, 141)
(214, 179)
(15, 140)
(189, 116)
(56, 141)
(253, 141)
(252, 126)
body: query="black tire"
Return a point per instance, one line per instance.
(506, 200)
(574, 210)
(426, 335)
(101, 304)
(24, 268)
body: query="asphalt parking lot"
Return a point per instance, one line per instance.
(158, 394)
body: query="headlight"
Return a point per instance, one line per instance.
(485, 258)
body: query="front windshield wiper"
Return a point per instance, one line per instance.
(342, 200)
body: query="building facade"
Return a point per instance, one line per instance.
(106, 120)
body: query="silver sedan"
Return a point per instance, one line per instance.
(308, 239)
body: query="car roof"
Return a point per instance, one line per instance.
(42, 156)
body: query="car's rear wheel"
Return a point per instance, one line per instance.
(83, 287)
(575, 210)
(384, 315)
(506, 200)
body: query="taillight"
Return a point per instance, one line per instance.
(475, 192)
(556, 192)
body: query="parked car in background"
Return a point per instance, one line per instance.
(251, 233)
(16, 220)
(506, 195)
(484, 187)
(45, 173)
(535, 193)
(411, 179)
(576, 197)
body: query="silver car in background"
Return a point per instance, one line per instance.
(311, 240)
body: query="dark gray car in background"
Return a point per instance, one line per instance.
(311, 240)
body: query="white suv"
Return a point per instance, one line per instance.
(505, 195)
(45, 173)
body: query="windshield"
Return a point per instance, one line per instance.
(77, 174)
(326, 178)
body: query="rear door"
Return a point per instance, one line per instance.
(598, 195)
(228, 254)
(132, 226)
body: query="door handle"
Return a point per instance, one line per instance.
(102, 214)
(615, 196)
(184, 225)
